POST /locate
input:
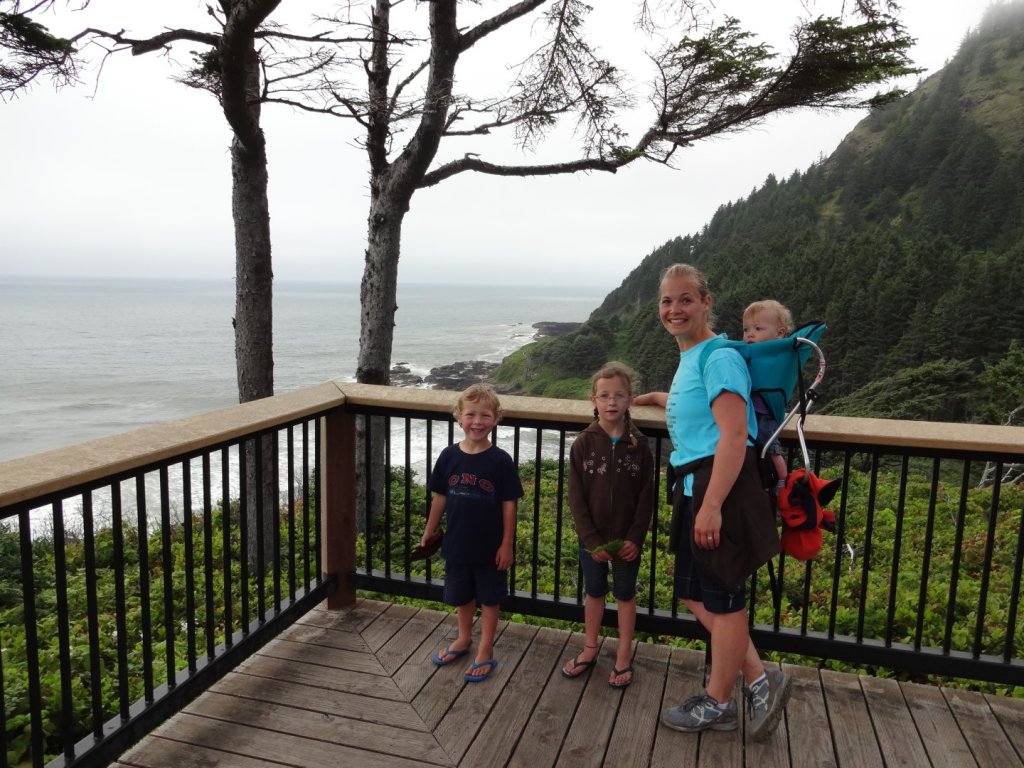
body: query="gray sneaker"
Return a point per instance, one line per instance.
(701, 713)
(765, 702)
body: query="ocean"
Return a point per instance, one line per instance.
(89, 358)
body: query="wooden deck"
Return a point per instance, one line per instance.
(357, 688)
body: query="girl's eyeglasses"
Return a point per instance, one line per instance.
(605, 398)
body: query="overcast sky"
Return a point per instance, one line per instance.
(132, 178)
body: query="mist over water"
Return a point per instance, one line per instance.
(88, 358)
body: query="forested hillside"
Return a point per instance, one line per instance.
(908, 241)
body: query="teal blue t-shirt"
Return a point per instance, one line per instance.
(691, 425)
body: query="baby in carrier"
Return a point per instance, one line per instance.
(764, 321)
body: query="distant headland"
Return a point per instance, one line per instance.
(457, 376)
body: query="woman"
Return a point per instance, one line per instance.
(709, 417)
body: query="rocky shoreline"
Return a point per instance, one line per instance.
(457, 376)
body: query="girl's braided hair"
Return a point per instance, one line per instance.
(615, 369)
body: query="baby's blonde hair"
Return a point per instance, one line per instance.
(782, 315)
(478, 393)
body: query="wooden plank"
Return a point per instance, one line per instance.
(897, 736)
(439, 693)
(633, 733)
(275, 746)
(853, 734)
(326, 636)
(511, 713)
(1010, 713)
(324, 726)
(324, 677)
(773, 750)
(988, 744)
(396, 651)
(461, 723)
(339, 658)
(418, 667)
(321, 696)
(807, 721)
(685, 679)
(937, 727)
(354, 619)
(720, 749)
(386, 625)
(155, 752)
(361, 706)
(588, 736)
(542, 738)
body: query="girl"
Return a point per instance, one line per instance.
(611, 482)
(709, 415)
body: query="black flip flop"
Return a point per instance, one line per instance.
(616, 672)
(576, 664)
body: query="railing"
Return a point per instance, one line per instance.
(150, 565)
(923, 574)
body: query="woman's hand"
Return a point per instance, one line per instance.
(707, 526)
(601, 556)
(659, 399)
(730, 413)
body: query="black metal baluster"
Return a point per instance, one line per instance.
(291, 513)
(60, 577)
(32, 669)
(142, 532)
(92, 620)
(211, 625)
(120, 597)
(865, 566)
(986, 573)
(190, 576)
(227, 525)
(929, 536)
(897, 546)
(168, 578)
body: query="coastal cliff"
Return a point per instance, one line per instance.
(459, 375)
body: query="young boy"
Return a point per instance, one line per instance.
(475, 486)
(764, 321)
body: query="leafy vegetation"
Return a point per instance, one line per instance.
(119, 567)
(921, 544)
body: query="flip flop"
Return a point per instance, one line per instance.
(489, 663)
(439, 656)
(576, 664)
(616, 672)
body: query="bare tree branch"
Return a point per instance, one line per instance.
(473, 163)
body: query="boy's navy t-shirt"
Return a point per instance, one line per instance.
(475, 485)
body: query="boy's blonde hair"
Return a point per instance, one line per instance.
(478, 393)
(782, 315)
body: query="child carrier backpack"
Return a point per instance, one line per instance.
(775, 373)
(775, 368)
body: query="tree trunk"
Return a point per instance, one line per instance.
(391, 189)
(254, 355)
(378, 304)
